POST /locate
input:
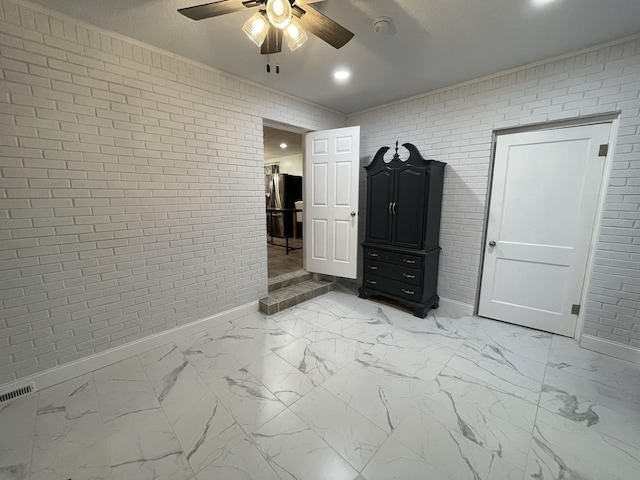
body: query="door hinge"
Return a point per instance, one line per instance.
(604, 150)
(575, 309)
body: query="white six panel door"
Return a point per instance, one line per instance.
(546, 186)
(332, 160)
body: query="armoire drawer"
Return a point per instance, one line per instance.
(411, 261)
(398, 289)
(394, 272)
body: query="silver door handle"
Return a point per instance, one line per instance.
(390, 203)
(353, 214)
(492, 244)
(406, 275)
(394, 207)
(408, 261)
(408, 292)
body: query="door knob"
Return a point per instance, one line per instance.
(353, 214)
(492, 244)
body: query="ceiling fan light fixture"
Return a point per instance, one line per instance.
(295, 35)
(256, 28)
(279, 13)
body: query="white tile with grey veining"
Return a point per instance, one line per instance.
(594, 405)
(17, 425)
(308, 361)
(568, 356)
(238, 461)
(314, 313)
(409, 388)
(377, 403)
(283, 379)
(470, 416)
(248, 400)
(202, 424)
(563, 449)
(263, 329)
(419, 344)
(451, 452)
(512, 341)
(350, 434)
(403, 360)
(335, 347)
(490, 401)
(518, 376)
(369, 332)
(336, 303)
(296, 452)
(170, 466)
(142, 445)
(296, 326)
(394, 461)
(124, 388)
(69, 440)
(432, 329)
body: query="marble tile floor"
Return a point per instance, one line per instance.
(337, 388)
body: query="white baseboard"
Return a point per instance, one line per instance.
(454, 308)
(607, 347)
(82, 366)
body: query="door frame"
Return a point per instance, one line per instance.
(614, 120)
(266, 122)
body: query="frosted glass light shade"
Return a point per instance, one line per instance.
(279, 13)
(256, 28)
(295, 35)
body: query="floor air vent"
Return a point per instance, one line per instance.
(18, 392)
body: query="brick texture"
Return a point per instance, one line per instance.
(131, 189)
(456, 125)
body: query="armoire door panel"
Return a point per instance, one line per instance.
(410, 190)
(379, 207)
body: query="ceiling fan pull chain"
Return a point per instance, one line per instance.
(268, 64)
(278, 65)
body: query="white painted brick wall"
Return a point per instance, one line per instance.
(131, 189)
(455, 125)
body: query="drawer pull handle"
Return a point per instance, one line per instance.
(408, 292)
(373, 254)
(372, 282)
(371, 267)
(408, 261)
(406, 275)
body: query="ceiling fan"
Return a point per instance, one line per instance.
(290, 19)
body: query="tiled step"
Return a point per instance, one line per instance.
(281, 281)
(286, 297)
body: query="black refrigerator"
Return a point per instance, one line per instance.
(282, 191)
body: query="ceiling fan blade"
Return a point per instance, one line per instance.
(273, 42)
(323, 27)
(217, 8)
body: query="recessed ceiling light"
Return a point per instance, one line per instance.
(283, 146)
(542, 3)
(341, 74)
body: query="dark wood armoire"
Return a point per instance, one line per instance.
(401, 247)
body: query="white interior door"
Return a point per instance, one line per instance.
(332, 160)
(546, 186)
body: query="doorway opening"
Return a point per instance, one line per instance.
(283, 173)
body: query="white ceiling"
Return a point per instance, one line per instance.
(436, 42)
(274, 137)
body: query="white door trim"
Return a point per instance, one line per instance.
(597, 227)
